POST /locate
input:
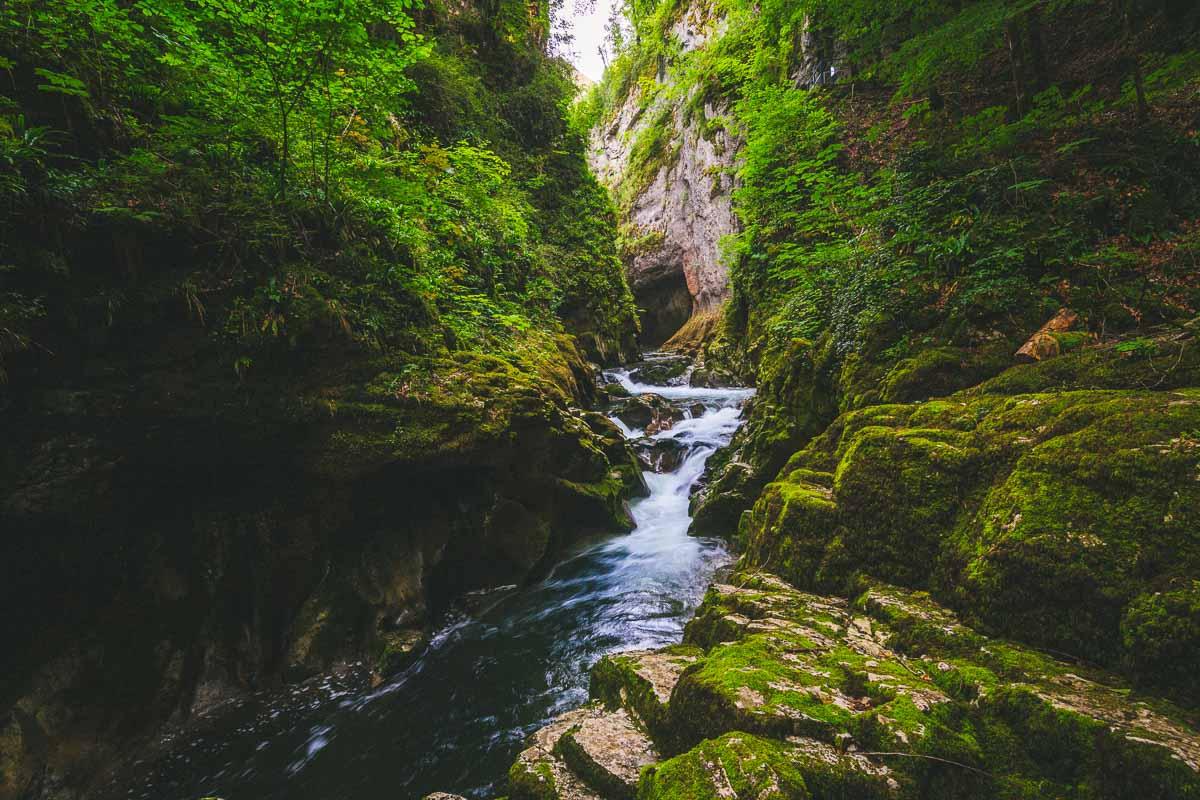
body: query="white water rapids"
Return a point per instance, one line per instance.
(455, 719)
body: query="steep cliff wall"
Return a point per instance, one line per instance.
(662, 151)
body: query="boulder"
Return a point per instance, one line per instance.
(641, 681)
(661, 371)
(541, 774)
(648, 410)
(660, 455)
(614, 391)
(608, 752)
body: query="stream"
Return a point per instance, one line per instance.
(496, 670)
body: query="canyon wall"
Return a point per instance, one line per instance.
(673, 194)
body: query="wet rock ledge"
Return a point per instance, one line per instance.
(778, 693)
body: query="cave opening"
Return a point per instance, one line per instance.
(663, 307)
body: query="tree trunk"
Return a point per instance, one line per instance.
(286, 156)
(1134, 60)
(1037, 48)
(1012, 35)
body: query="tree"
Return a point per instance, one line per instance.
(321, 59)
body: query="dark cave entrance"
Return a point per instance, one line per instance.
(663, 307)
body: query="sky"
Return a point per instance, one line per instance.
(588, 28)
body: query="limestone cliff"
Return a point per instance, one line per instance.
(669, 162)
(668, 149)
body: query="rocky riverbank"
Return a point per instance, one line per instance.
(897, 579)
(198, 553)
(780, 693)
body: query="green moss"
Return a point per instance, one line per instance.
(1072, 340)
(1043, 515)
(1160, 634)
(531, 781)
(793, 403)
(955, 714)
(1172, 363)
(805, 511)
(746, 765)
(1085, 521)
(936, 372)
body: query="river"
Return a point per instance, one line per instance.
(496, 670)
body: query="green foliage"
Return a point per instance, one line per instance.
(293, 174)
(972, 190)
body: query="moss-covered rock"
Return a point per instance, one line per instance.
(787, 694)
(793, 664)
(1161, 640)
(660, 371)
(1163, 359)
(1041, 515)
(540, 774)
(794, 402)
(608, 751)
(896, 677)
(642, 682)
(220, 545)
(932, 372)
(740, 765)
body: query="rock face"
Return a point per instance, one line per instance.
(670, 162)
(167, 556)
(779, 693)
(1054, 517)
(675, 205)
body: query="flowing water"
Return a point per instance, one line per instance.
(455, 719)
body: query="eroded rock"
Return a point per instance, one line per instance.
(540, 774)
(608, 751)
(660, 455)
(648, 412)
(642, 682)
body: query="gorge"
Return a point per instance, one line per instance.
(495, 670)
(809, 408)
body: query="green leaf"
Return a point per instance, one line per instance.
(60, 83)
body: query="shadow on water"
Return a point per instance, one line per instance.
(456, 718)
